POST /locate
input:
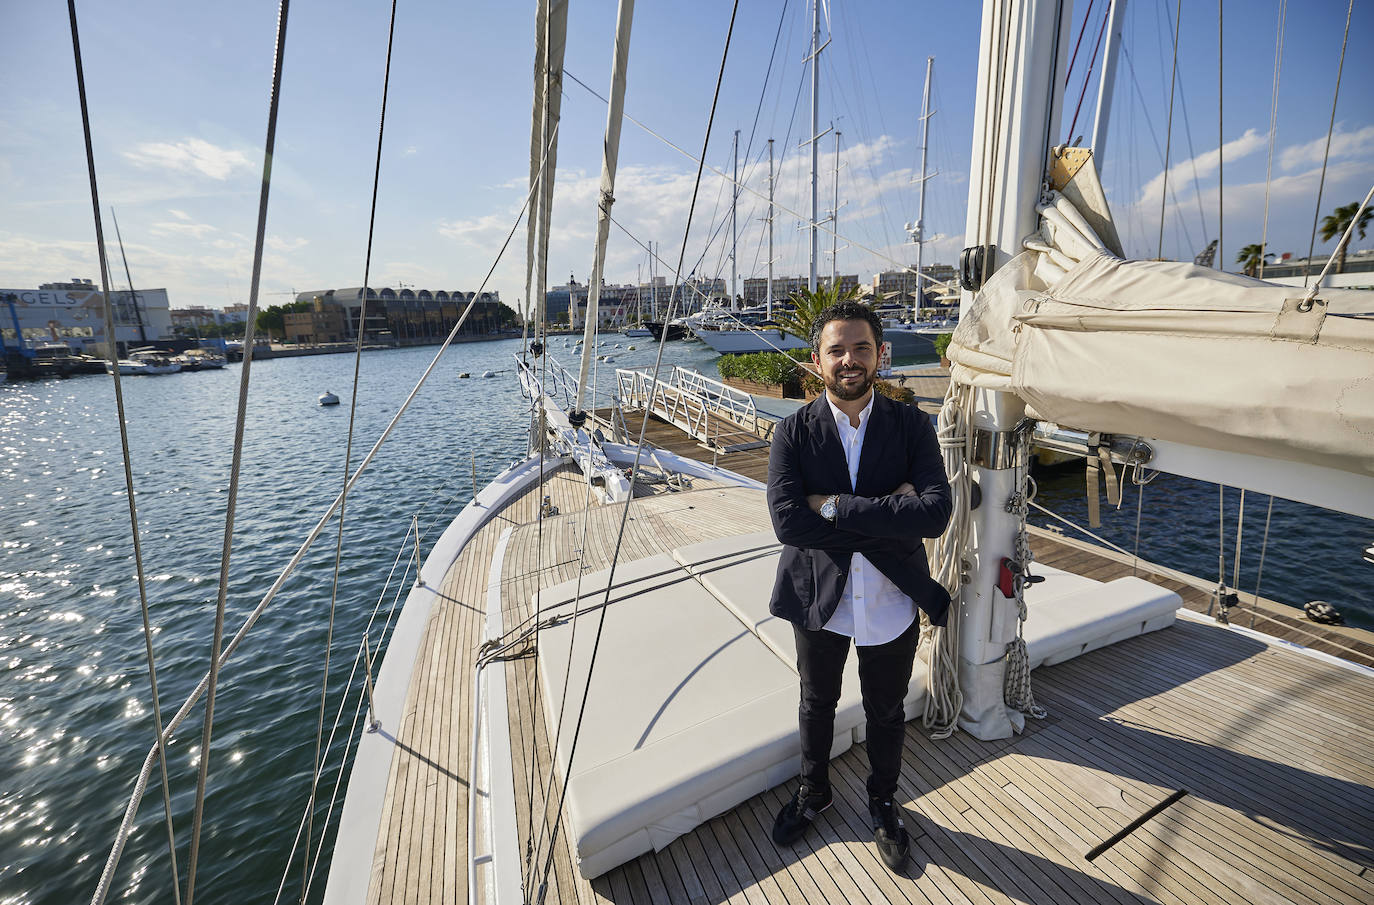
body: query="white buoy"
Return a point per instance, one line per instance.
(629, 348)
(329, 399)
(488, 373)
(464, 375)
(610, 360)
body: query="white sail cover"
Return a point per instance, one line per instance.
(1178, 352)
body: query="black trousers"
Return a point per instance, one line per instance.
(884, 674)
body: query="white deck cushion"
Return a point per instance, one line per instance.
(740, 571)
(1057, 583)
(688, 715)
(1064, 626)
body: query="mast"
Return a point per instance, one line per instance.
(609, 158)
(133, 296)
(920, 232)
(835, 222)
(815, 125)
(1016, 119)
(734, 203)
(768, 292)
(1115, 24)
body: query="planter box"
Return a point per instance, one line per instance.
(789, 390)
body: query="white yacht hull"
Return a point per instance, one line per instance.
(738, 342)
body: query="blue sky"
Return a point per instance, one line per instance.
(178, 96)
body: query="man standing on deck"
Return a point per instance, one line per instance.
(855, 481)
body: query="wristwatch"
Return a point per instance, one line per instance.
(831, 507)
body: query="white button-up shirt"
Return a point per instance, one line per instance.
(872, 609)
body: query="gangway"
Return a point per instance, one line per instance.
(719, 417)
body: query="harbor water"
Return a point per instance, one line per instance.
(75, 709)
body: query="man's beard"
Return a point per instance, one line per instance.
(849, 393)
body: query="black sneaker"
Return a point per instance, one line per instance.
(795, 816)
(889, 834)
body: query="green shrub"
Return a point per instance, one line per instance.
(761, 367)
(942, 343)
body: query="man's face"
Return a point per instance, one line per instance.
(848, 358)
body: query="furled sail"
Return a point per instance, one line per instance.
(551, 32)
(1174, 351)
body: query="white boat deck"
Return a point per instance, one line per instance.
(1271, 749)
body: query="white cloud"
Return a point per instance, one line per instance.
(277, 243)
(196, 230)
(180, 215)
(1203, 165)
(1343, 144)
(193, 155)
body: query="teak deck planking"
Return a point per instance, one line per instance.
(1272, 750)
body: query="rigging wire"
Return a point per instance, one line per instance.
(358, 658)
(639, 449)
(1273, 130)
(1192, 153)
(1169, 130)
(804, 218)
(1083, 29)
(1264, 546)
(1221, 141)
(1326, 154)
(237, 462)
(1087, 77)
(140, 784)
(348, 453)
(1154, 137)
(112, 347)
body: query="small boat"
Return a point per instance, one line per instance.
(329, 399)
(200, 360)
(145, 362)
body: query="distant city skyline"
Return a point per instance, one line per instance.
(178, 102)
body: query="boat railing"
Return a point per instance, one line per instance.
(556, 381)
(690, 400)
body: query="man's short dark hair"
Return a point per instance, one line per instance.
(847, 311)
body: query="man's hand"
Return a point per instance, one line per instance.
(816, 500)
(904, 489)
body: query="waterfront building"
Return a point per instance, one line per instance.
(901, 285)
(756, 288)
(73, 313)
(1358, 272)
(195, 318)
(404, 316)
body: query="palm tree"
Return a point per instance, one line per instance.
(1251, 257)
(1336, 224)
(809, 305)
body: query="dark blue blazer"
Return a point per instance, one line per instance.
(807, 457)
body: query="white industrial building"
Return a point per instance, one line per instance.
(74, 313)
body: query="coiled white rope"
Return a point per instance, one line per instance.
(945, 700)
